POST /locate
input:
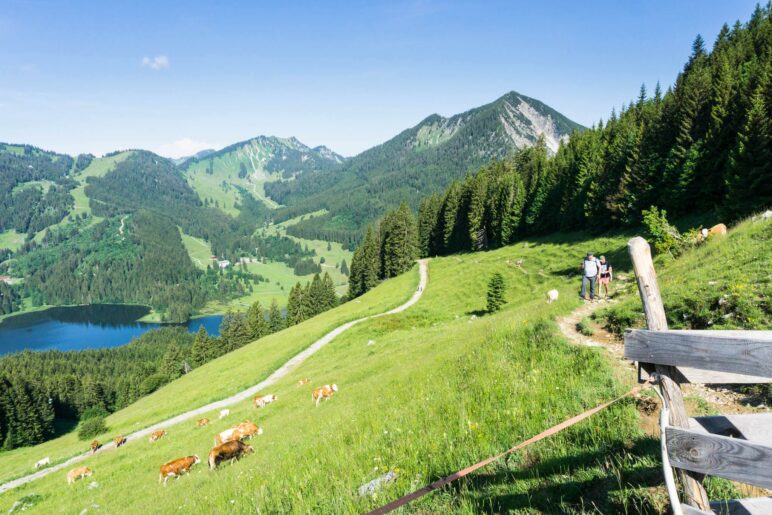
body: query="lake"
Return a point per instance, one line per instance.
(83, 327)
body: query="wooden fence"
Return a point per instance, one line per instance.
(736, 447)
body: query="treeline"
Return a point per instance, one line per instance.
(10, 299)
(31, 208)
(316, 297)
(703, 145)
(38, 388)
(388, 249)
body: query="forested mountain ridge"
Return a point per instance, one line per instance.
(417, 162)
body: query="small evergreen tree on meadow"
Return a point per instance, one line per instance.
(496, 293)
(275, 320)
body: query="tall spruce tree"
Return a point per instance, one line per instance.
(275, 319)
(399, 241)
(257, 325)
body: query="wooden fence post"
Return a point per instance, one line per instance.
(654, 310)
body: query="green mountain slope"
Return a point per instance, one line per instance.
(218, 176)
(419, 161)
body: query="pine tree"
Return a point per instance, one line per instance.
(329, 297)
(315, 299)
(356, 277)
(171, 363)
(371, 260)
(749, 170)
(344, 268)
(399, 241)
(496, 288)
(275, 320)
(296, 305)
(257, 326)
(201, 351)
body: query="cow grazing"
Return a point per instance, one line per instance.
(229, 451)
(717, 230)
(304, 382)
(178, 467)
(552, 296)
(261, 400)
(224, 413)
(324, 392)
(246, 429)
(78, 473)
(119, 440)
(42, 463)
(157, 435)
(202, 422)
(95, 446)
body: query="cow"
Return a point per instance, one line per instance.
(324, 392)
(304, 382)
(552, 296)
(261, 400)
(202, 422)
(228, 451)
(119, 440)
(157, 435)
(78, 473)
(177, 467)
(717, 230)
(224, 413)
(42, 463)
(95, 446)
(246, 429)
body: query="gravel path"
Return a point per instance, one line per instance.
(281, 372)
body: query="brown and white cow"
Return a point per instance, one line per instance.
(157, 435)
(228, 451)
(261, 400)
(178, 467)
(119, 440)
(78, 473)
(95, 445)
(324, 392)
(304, 382)
(246, 429)
(202, 422)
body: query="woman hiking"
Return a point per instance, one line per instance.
(606, 276)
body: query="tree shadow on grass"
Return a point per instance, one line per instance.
(589, 480)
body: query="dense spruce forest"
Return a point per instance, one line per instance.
(43, 391)
(701, 146)
(34, 187)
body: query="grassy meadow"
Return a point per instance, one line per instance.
(11, 239)
(424, 392)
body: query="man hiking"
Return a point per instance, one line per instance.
(590, 268)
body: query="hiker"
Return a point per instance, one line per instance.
(606, 276)
(590, 268)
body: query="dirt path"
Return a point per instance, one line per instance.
(718, 397)
(279, 373)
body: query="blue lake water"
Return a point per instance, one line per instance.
(83, 327)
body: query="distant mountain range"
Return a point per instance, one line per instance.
(294, 179)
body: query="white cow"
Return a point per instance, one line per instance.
(42, 463)
(552, 296)
(224, 413)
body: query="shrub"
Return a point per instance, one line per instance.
(152, 383)
(584, 327)
(92, 427)
(93, 412)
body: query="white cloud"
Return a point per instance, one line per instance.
(157, 63)
(182, 148)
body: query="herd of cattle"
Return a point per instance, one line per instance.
(228, 445)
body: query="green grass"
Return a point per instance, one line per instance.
(585, 327)
(427, 391)
(200, 250)
(11, 239)
(722, 284)
(97, 168)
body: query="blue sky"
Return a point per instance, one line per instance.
(175, 77)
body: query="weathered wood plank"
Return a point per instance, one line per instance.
(730, 458)
(654, 310)
(750, 506)
(749, 355)
(697, 376)
(756, 427)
